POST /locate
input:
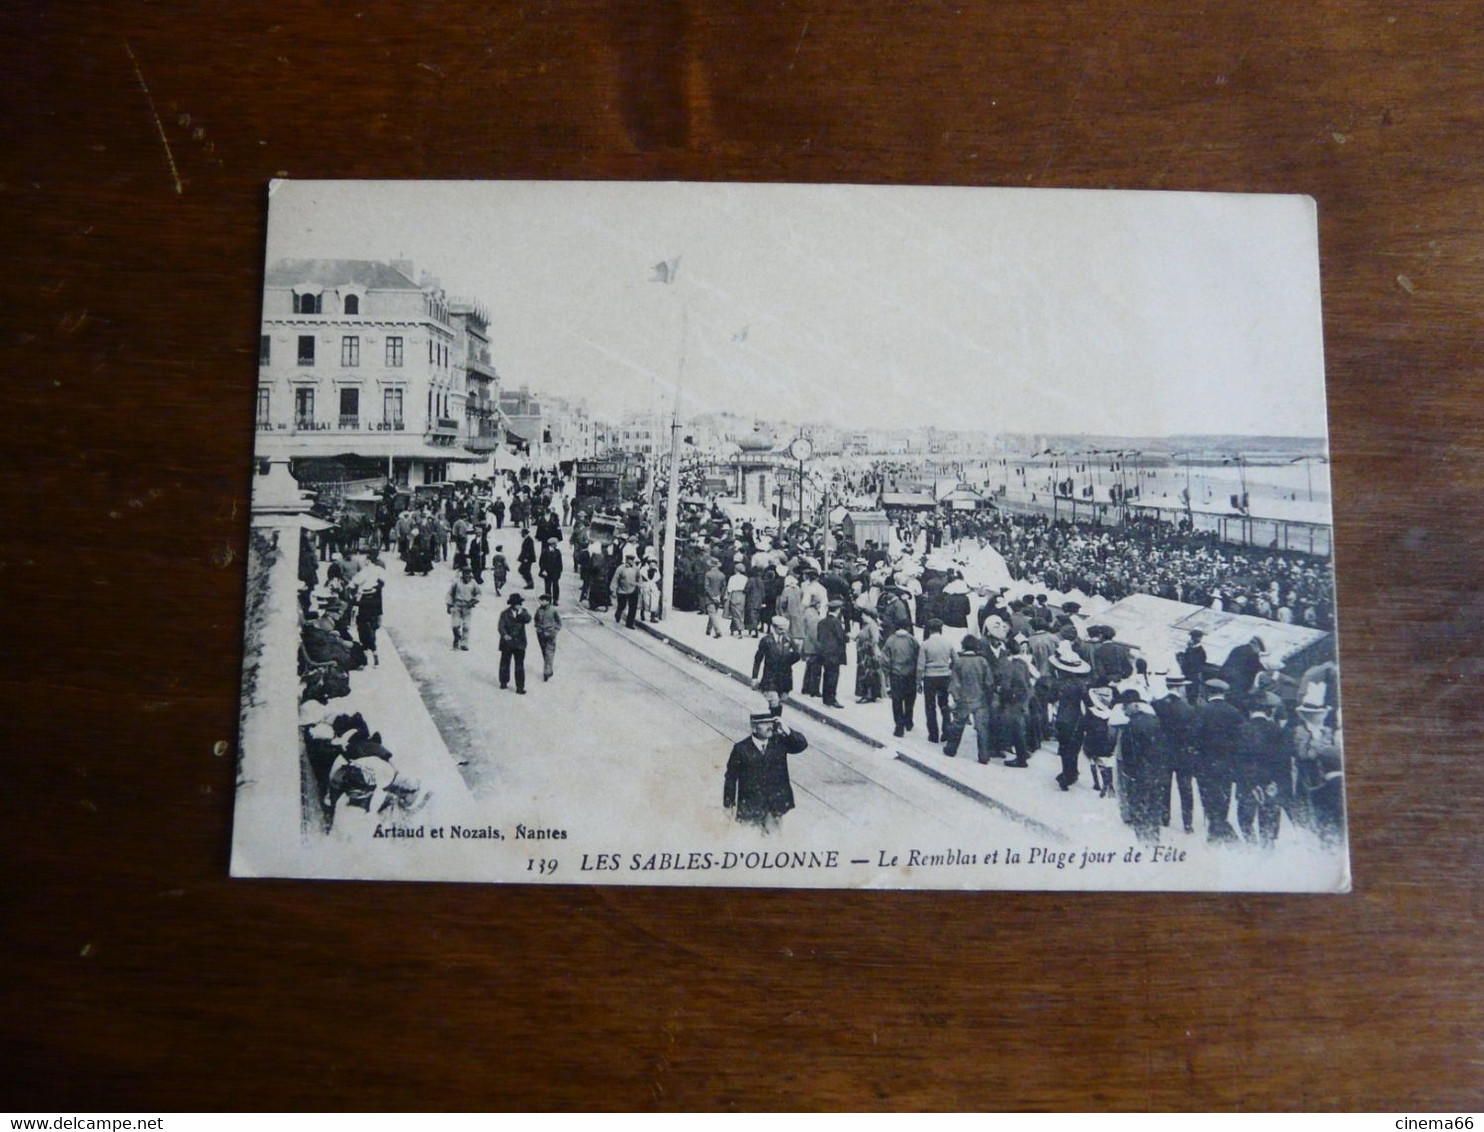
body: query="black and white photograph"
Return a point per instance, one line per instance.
(826, 536)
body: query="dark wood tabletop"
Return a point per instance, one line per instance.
(138, 141)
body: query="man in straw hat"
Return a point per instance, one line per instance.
(1068, 692)
(757, 790)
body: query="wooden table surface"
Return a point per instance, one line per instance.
(138, 138)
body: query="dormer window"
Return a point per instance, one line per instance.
(306, 303)
(352, 304)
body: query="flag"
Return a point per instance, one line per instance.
(665, 271)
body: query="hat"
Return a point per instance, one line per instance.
(780, 622)
(1130, 696)
(970, 642)
(836, 603)
(1261, 647)
(1066, 659)
(1196, 634)
(995, 627)
(762, 717)
(1218, 686)
(1070, 607)
(515, 599)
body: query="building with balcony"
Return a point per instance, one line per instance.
(360, 374)
(484, 424)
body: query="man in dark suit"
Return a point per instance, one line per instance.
(1263, 772)
(772, 664)
(1216, 725)
(551, 570)
(1242, 665)
(527, 558)
(757, 789)
(1193, 665)
(831, 639)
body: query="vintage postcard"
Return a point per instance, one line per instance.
(825, 536)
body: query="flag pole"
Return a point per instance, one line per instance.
(672, 504)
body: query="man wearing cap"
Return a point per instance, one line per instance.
(757, 790)
(513, 624)
(790, 606)
(899, 658)
(1263, 772)
(551, 570)
(626, 590)
(548, 624)
(934, 673)
(895, 613)
(1193, 665)
(463, 596)
(772, 664)
(715, 586)
(1110, 662)
(1143, 763)
(971, 688)
(526, 559)
(1177, 719)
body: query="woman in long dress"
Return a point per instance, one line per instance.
(867, 659)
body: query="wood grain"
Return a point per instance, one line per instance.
(141, 978)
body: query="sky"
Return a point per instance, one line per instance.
(1006, 310)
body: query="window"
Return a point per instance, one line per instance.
(391, 408)
(352, 304)
(350, 350)
(350, 408)
(394, 352)
(306, 349)
(265, 350)
(265, 405)
(430, 351)
(303, 408)
(306, 304)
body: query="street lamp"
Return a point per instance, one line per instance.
(801, 449)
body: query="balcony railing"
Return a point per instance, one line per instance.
(306, 359)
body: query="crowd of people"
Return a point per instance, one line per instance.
(342, 576)
(1146, 555)
(1028, 674)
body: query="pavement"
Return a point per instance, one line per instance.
(625, 750)
(632, 735)
(1029, 795)
(1031, 791)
